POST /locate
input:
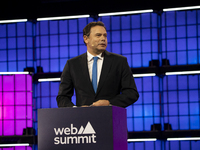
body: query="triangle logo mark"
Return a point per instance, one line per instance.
(81, 130)
(89, 129)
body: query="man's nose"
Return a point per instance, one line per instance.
(103, 38)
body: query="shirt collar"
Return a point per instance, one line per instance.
(90, 56)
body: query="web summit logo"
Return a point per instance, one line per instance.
(73, 136)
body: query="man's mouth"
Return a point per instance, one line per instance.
(102, 44)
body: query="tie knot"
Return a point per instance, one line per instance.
(95, 58)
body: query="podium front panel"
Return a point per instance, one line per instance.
(85, 128)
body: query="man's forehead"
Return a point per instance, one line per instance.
(98, 29)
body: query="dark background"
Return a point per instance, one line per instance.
(32, 9)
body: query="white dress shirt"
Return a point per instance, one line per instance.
(99, 65)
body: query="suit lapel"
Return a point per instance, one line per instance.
(84, 67)
(105, 70)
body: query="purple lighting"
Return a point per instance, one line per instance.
(15, 104)
(17, 148)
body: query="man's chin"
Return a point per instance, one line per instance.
(102, 50)
(99, 51)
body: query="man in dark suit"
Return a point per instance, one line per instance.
(112, 84)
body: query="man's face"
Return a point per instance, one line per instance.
(97, 40)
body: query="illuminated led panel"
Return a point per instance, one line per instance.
(15, 104)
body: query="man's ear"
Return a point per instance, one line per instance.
(85, 38)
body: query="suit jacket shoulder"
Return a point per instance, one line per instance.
(84, 55)
(115, 57)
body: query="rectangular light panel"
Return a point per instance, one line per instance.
(63, 17)
(183, 139)
(48, 79)
(181, 8)
(183, 72)
(142, 140)
(126, 12)
(15, 104)
(13, 21)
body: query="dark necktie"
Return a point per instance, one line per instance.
(94, 74)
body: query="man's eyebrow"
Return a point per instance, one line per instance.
(100, 33)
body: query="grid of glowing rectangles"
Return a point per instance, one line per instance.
(15, 104)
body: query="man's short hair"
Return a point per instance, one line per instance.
(87, 29)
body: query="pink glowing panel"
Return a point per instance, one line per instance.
(7, 148)
(1, 83)
(20, 82)
(22, 148)
(29, 123)
(29, 83)
(1, 98)
(20, 125)
(8, 112)
(29, 112)
(16, 107)
(20, 112)
(1, 127)
(1, 113)
(8, 98)
(8, 83)
(29, 98)
(20, 98)
(29, 148)
(8, 127)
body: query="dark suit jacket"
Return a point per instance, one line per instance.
(116, 82)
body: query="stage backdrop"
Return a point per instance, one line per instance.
(141, 37)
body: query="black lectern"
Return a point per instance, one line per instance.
(82, 128)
